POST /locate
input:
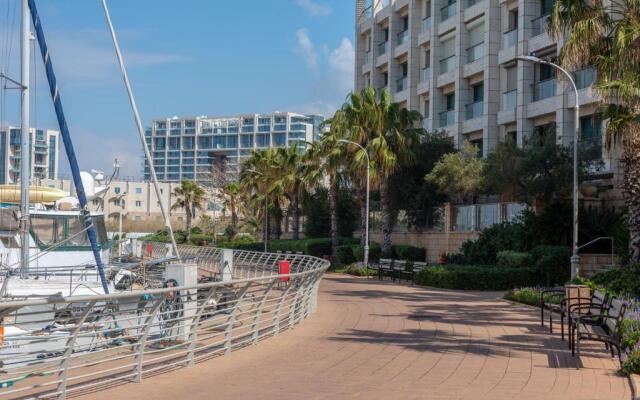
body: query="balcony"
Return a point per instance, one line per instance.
(584, 77)
(402, 84)
(447, 118)
(175, 132)
(538, 25)
(367, 56)
(509, 100)
(447, 64)
(475, 52)
(403, 37)
(426, 123)
(426, 74)
(383, 47)
(509, 38)
(448, 11)
(475, 110)
(426, 25)
(544, 89)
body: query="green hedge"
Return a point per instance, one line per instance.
(477, 277)
(344, 255)
(403, 252)
(513, 259)
(374, 252)
(552, 263)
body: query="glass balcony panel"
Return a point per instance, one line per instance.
(585, 77)
(509, 38)
(447, 64)
(448, 11)
(426, 25)
(544, 89)
(475, 52)
(403, 37)
(475, 110)
(509, 100)
(402, 84)
(447, 118)
(538, 25)
(382, 48)
(426, 74)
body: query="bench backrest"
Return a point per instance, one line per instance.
(386, 262)
(599, 300)
(617, 309)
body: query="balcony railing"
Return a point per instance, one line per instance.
(538, 25)
(475, 110)
(426, 25)
(402, 84)
(471, 3)
(510, 38)
(367, 56)
(509, 100)
(403, 37)
(426, 74)
(426, 123)
(475, 52)
(382, 48)
(447, 64)
(585, 77)
(447, 118)
(544, 89)
(448, 11)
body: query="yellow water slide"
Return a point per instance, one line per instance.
(37, 194)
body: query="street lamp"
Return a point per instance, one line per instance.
(575, 259)
(266, 210)
(366, 219)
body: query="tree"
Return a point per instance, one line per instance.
(459, 175)
(604, 35)
(189, 196)
(230, 195)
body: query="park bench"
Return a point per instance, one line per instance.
(604, 327)
(552, 300)
(398, 269)
(555, 301)
(598, 304)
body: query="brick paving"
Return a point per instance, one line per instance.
(380, 340)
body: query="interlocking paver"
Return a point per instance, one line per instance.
(380, 340)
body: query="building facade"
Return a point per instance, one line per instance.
(188, 148)
(454, 61)
(43, 158)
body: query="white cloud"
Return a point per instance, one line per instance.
(342, 64)
(305, 48)
(315, 9)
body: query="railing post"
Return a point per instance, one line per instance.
(232, 318)
(256, 318)
(145, 334)
(294, 305)
(276, 317)
(302, 303)
(64, 365)
(309, 297)
(193, 334)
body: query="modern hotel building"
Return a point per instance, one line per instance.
(188, 148)
(455, 62)
(44, 154)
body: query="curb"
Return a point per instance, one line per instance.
(634, 380)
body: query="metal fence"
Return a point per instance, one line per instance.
(55, 346)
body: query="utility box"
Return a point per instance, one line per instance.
(226, 265)
(185, 274)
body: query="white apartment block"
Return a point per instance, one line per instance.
(188, 148)
(43, 157)
(454, 62)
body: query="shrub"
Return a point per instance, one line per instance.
(374, 252)
(473, 277)
(631, 365)
(499, 237)
(356, 270)
(344, 255)
(552, 262)
(619, 281)
(513, 259)
(527, 295)
(403, 252)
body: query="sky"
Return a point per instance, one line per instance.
(184, 58)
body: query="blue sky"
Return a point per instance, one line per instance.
(186, 58)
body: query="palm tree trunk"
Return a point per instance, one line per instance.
(295, 224)
(363, 214)
(333, 212)
(631, 190)
(387, 219)
(234, 221)
(187, 234)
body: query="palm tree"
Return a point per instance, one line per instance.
(189, 196)
(389, 133)
(230, 196)
(604, 35)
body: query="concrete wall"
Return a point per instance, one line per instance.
(591, 264)
(435, 243)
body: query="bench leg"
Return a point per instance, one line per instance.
(562, 327)
(542, 315)
(550, 322)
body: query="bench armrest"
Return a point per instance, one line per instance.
(603, 317)
(584, 306)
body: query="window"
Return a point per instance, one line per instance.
(546, 72)
(447, 62)
(546, 6)
(138, 203)
(138, 190)
(450, 101)
(117, 190)
(591, 137)
(478, 92)
(476, 42)
(478, 145)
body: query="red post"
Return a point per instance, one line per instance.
(284, 268)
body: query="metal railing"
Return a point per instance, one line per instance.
(448, 11)
(585, 77)
(475, 110)
(402, 84)
(55, 346)
(447, 64)
(426, 25)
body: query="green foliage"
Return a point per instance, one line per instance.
(629, 333)
(403, 252)
(375, 250)
(632, 364)
(472, 277)
(552, 262)
(513, 259)
(458, 175)
(526, 295)
(356, 271)
(499, 237)
(619, 281)
(344, 255)
(317, 223)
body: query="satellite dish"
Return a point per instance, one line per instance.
(91, 190)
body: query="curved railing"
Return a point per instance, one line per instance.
(57, 346)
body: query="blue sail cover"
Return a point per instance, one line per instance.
(68, 145)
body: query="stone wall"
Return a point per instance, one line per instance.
(435, 243)
(591, 264)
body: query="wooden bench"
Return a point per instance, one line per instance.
(604, 327)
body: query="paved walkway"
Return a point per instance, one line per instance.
(373, 340)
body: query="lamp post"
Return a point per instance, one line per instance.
(366, 219)
(575, 259)
(266, 211)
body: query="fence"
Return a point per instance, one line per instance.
(55, 346)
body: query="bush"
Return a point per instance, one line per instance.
(552, 263)
(631, 364)
(499, 237)
(623, 281)
(374, 252)
(344, 255)
(402, 252)
(356, 270)
(477, 277)
(527, 295)
(513, 259)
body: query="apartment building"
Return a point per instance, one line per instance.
(188, 148)
(43, 157)
(454, 61)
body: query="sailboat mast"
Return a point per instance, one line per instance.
(25, 141)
